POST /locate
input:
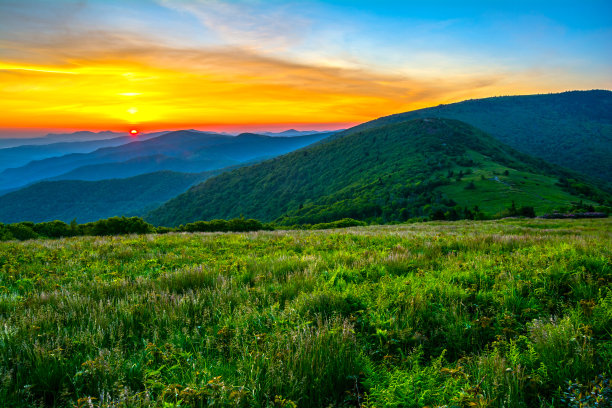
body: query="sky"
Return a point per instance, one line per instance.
(253, 65)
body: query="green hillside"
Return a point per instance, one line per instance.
(571, 129)
(92, 200)
(389, 173)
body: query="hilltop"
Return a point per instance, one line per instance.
(570, 129)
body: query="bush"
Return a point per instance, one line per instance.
(234, 225)
(54, 229)
(118, 226)
(5, 233)
(22, 231)
(343, 223)
(470, 186)
(528, 212)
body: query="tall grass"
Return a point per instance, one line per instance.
(488, 314)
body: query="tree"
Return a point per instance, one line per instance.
(527, 212)
(512, 211)
(438, 215)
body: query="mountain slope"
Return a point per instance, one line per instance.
(92, 200)
(294, 132)
(187, 148)
(143, 165)
(570, 129)
(392, 172)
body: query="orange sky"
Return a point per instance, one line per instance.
(169, 64)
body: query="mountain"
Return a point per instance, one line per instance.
(79, 136)
(21, 155)
(293, 132)
(185, 151)
(143, 165)
(92, 200)
(393, 172)
(571, 129)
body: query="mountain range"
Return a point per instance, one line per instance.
(387, 173)
(18, 156)
(80, 136)
(132, 178)
(474, 158)
(184, 151)
(293, 132)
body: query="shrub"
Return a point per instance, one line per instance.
(22, 231)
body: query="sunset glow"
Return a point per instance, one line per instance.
(260, 64)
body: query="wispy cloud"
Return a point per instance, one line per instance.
(224, 84)
(248, 23)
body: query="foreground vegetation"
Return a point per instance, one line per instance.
(485, 314)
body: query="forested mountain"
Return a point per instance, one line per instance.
(571, 129)
(185, 151)
(293, 132)
(93, 200)
(144, 165)
(392, 172)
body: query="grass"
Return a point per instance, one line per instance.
(486, 314)
(496, 185)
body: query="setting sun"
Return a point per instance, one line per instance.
(133, 132)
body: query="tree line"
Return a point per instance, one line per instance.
(135, 225)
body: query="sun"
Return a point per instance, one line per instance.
(133, 132)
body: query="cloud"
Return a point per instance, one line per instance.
(265, 26)
(89, 69)
(213, 85)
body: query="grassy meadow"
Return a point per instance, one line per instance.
(508, 313)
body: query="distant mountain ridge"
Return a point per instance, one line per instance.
(385, 173)
(134, 186)
(183, 151)
(12, 157)
(293, 132)
(79, 136)
(571, 129)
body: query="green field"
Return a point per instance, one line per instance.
(457, 314)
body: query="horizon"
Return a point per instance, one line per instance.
(225, 128)
(30, 133)
(249, 66)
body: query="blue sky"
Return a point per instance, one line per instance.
(236, 63)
